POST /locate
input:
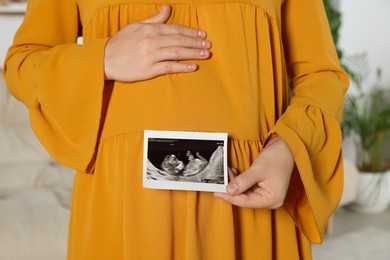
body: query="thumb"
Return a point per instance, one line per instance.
(160, 17)
(243, 181)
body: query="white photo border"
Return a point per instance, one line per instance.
(184, 185)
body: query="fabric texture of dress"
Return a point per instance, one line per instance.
(261, 50)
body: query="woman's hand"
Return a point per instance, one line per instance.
(152, 48)
(265, 183)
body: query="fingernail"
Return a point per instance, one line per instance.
(205, 44)
(232, 187)
(201, 34)
(192, 67)
(203, 53)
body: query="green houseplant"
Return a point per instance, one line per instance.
(366, 119)
(334, 19)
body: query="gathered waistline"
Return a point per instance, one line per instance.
(141, 132)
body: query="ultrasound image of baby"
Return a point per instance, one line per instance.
(197, 169)
(172, 165)
(195, 164)
(177, 160)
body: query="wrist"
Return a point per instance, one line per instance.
(272, 138)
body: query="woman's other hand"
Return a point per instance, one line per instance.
(151, 48)
(265, 183)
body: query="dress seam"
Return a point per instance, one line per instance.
(230, 139)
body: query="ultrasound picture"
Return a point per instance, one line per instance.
(186, 160)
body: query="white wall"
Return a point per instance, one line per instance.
(366, 28)
(11, 16)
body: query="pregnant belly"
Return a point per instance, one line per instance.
(181, 102)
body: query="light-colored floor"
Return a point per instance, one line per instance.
(346, 221)
(356, 236)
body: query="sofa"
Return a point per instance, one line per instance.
(35, 191)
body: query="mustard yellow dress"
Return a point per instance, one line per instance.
(261, 48)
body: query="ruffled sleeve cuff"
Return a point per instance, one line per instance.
(314, 139)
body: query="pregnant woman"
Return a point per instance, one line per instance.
(264, 71)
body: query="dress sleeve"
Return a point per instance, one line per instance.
(60, 81)
(310, 124)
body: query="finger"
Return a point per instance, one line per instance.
(163, 16)
(243, 182)
(160, 17)
(173, 29)
(234, 170)
(180, 54)
(249, 199)
(231, 174)
(169, 67)
(183, 41)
